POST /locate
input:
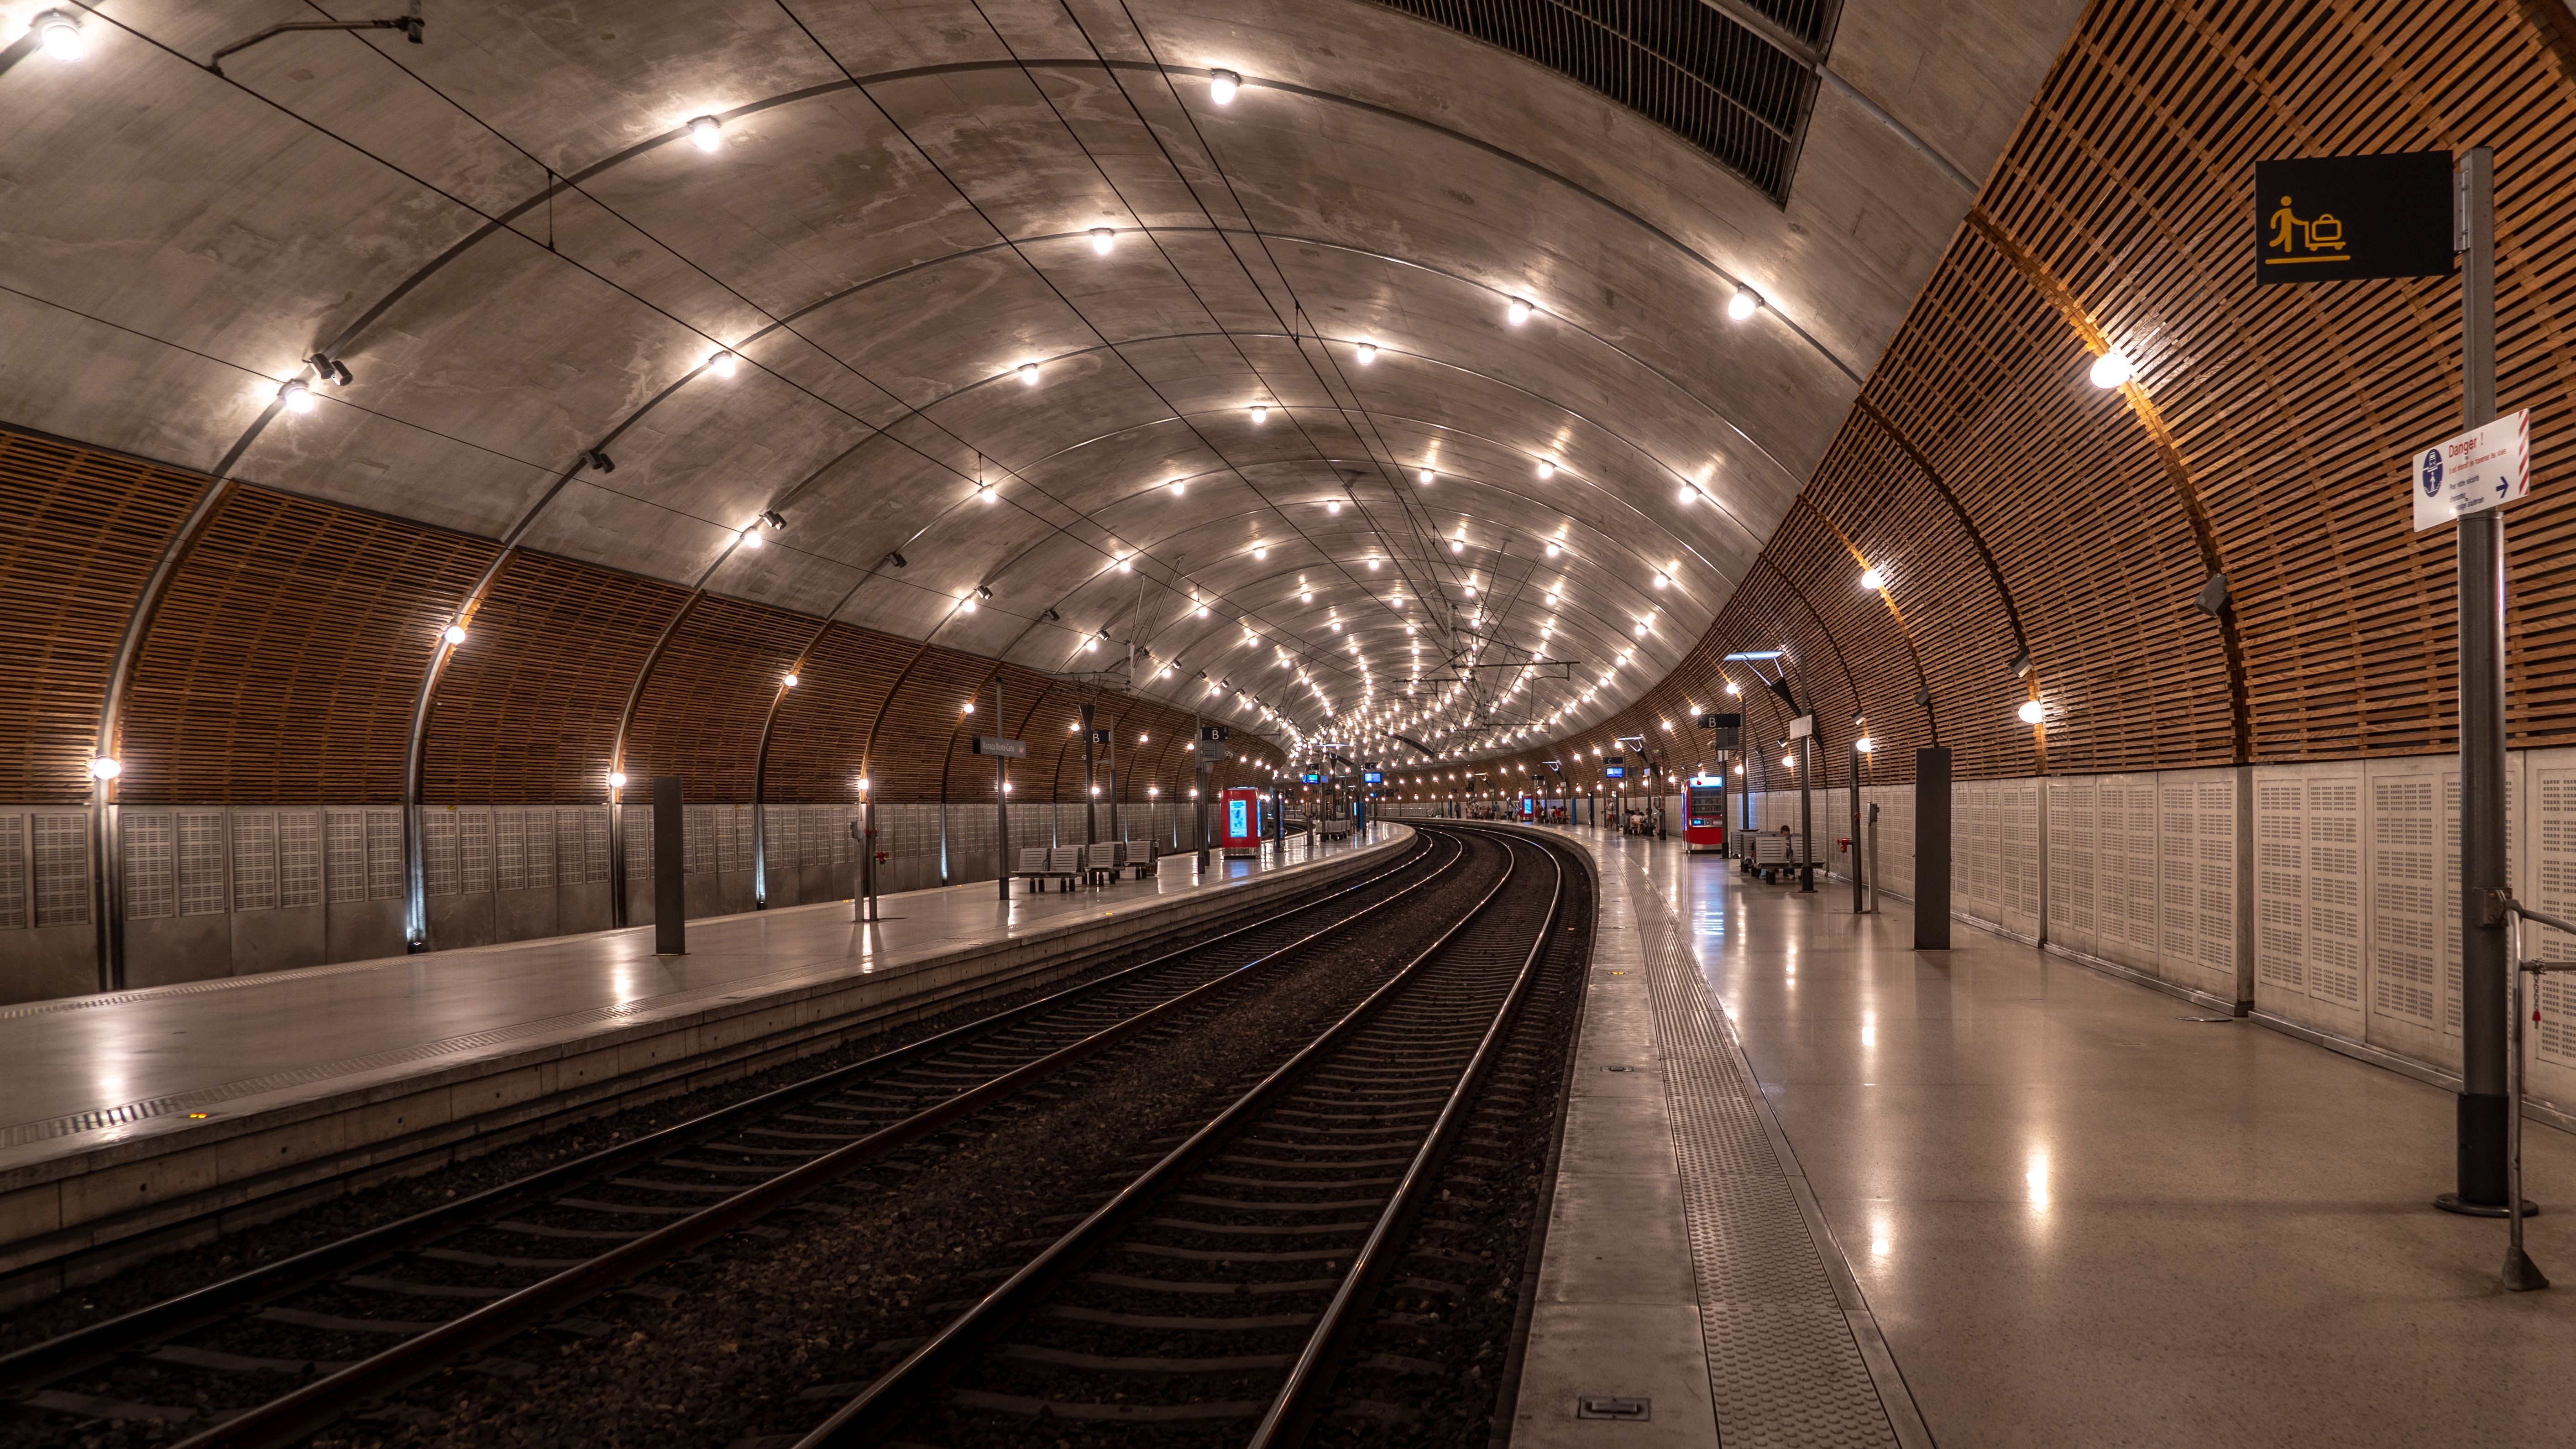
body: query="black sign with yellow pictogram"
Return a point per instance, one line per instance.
(2342, 218)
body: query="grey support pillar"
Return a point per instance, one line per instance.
(1090, 784)
(1932, 850)
(1807, 758)
(670, 858)
(1860, 867)
(2484, 957)
(1001, 796)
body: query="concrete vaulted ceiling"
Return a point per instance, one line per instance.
(508, 237)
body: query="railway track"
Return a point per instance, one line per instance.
(1219, 1297)
(271, 1355)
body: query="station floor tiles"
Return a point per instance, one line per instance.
(83, 1072)
(2069, 1214)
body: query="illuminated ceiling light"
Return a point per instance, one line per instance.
(1373, 563)
(1457, 545)
(617, 780)
(2111, 369)
(1547, 467)
(966, 605)
(1261, 550)
(751, 536)
(106, 768)
(1551, 601)
(1305, 596)
(1203, 611)
(790, 681)
(988, 492)
(1640, 630)
(1332, 505)
(1662, 579)
(1734, 688)
(1222, 84)
(724, 364)
(297, 397)
(1864, 744)
(2030, 713)
(1743, 304)
(1423, 477)
(454, 634)
(707, 131)
(1102, 239)
(1029, 373)
(1368, 353)
(1260, 412)
(1178, 487)
(1126, 564)
(59, 32)
(1517, 312)
(1872, 578)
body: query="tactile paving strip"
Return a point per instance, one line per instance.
(1783, 1367)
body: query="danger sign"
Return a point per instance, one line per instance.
(2478, 470)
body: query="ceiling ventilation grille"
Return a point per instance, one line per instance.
(1680, 63)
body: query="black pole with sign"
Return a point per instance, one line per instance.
(2416, 214)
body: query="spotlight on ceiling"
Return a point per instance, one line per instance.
(2030, 713)
(59, 32)
(1743, 304)
(897, 559)
(724, 364)
(1517, 312)
(1261, 412)
(707, 131)
(2111, 369)
(599, 460)
(297, 397)
(1102, 239)
(1029, 373)
(1547, 467)
(1872, 578)
(1222, 84)
(453, 634)
(1368, 353)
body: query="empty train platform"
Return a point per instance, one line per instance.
(143, 1120)
(1820, 1188)
(1855, 718)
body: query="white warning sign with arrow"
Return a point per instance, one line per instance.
(2480, 469)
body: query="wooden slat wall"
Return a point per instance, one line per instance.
(80, 531)
(285, 659)
(283, 664)
(527, 710)
(2124, 206)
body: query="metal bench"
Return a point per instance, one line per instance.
(1040, 864)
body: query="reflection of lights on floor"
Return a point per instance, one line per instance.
(1869, 1028)
(1881, 1239)
(2035, 1177)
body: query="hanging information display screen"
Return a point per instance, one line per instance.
(2343, 218)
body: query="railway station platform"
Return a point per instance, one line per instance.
(1819, 1188)
(144, 1120)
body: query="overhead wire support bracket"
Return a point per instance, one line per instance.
(409, 24)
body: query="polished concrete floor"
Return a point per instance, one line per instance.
(2081, 1218)
(91, 1071)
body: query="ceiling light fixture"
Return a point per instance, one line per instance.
(724, 364)
(454, 634)
(707, 131)
(1222, 84)
(2030, 713)
(297, 397)
(1872, 578)
(1368, 353)
(2111, 369)
(1547, 467)
(750, 536)
(1178, 486)
(1260, 413)
(1029, 373)
(59, 32)
(790, 681)
(1743, 304)
(1518, 312)
(1102, 239)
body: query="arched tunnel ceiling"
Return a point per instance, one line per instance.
(508, 237)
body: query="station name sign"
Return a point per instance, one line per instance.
(1006, 749)
(2345, 218)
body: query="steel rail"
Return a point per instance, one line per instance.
(878, 1408)
(34, 1367)
(285, 1420)
(1292, 1410)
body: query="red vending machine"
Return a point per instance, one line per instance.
(1239, 824)
(1704, 807)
